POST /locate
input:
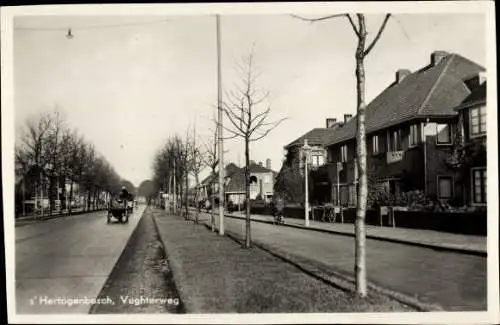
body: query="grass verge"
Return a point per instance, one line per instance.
(216, 275)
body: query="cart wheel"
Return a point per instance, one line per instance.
(126, 217)
(109, 217)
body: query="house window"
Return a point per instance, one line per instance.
(343, 153)
(318, 160)
(395, 141)
(413, 138)
(445, 187)
(477, 120)
(479, 185)
(375, 147)
(267, 179)
(443, 133)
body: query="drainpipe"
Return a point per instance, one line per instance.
(425, 158)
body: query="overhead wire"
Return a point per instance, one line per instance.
(76, 28)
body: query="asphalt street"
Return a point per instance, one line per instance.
(67, 258)
(453, 280)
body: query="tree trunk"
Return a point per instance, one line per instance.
(88, 200)
(362, 193)
(187, 196)
(247, 194)
(212, 194)
(196, 199)
(50, 194)
(70, 195)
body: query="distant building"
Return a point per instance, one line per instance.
(261, 183)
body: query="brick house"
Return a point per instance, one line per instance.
(261, 177)
(205, 190)
(261, 183)
(471, 143)
(317, 139)
(410, 131)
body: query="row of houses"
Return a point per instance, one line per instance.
(426, 131)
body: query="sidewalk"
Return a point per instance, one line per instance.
(32, 218)
(468, 244)
(214, 274)
(428, 238)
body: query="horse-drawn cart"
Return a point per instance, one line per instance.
(119, 211)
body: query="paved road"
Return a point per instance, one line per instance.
(69, 257)
(455, 281)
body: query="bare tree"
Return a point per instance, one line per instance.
(196, 166)
(50, 151)
(170, 168)
(211, 159)
(358, 24)
(248, 120)
(32, 150)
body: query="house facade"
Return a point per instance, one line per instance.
(410, 132)
(262, 180)
(293, 162)
(470, 150)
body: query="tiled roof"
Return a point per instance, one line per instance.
(256, 168)
(477, 96)
(232, 169)
(237, 182)
(315, 137)
(430, 92)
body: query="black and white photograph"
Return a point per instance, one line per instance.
(270, 163)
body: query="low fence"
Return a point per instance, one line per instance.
(468, 223)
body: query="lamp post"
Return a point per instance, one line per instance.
(50, 168)
(305, 151)
(220, 131)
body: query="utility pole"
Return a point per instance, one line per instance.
(305, 150)
(175, 192)
(221, 149)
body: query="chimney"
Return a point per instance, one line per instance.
(347, 117)
(268, 163)
(330, 122)
(437, 56)
(482, 77)
(260, 163)
(401, 74)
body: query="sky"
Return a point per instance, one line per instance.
(127, 83)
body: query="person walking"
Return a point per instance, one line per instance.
(279, 206)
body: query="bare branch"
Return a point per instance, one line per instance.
(268, 130)
(312, 20)
(377, 37)
(229, 114)
(353, 24)
(355, 28)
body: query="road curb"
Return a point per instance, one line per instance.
(188, 304)
(93, 307)
(393, 240)
(340, 281)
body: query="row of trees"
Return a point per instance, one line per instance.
(49, 155)
(175, 161)
(248, 117)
